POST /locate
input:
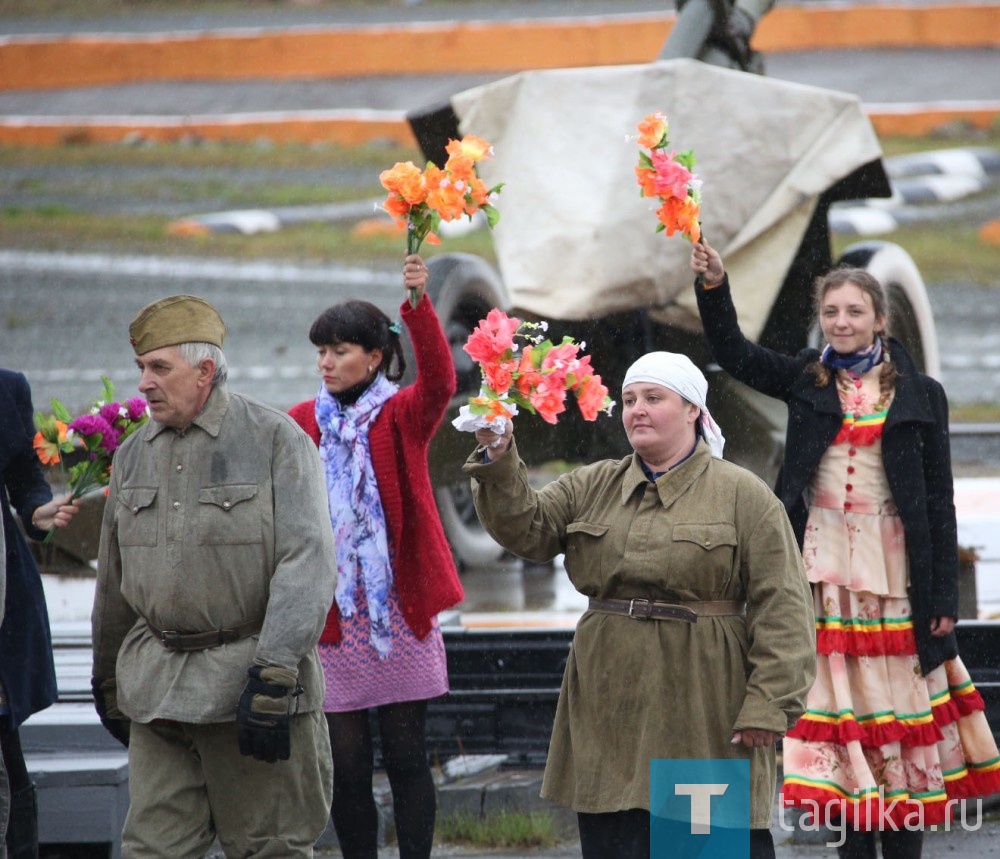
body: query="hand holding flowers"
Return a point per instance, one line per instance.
(420, 200)
(97, 434)
(669, 177)
(520, 369)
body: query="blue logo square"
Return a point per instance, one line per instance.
(699, 809)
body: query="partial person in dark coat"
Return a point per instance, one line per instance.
(27, 674)
(868, 487)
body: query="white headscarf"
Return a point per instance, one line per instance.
(679, 374)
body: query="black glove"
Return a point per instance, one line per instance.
(268, 702)
(105, 691)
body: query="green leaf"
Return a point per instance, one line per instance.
(109, 389)
(492, 216)
(686, 158)
(61, 412)
(496, 189)
(646, 161)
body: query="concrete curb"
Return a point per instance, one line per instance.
(500, 46)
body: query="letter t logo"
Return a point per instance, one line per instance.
(701, 804)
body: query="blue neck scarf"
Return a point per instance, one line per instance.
(856, 363)
(359, 529)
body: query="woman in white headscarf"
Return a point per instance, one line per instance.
(698, 642)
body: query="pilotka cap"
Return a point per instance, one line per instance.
(173, 320)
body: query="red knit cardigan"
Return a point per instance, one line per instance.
(425, 575)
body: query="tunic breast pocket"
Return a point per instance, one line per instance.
(585, 547)
(229, 515)
(702, 556)
(137, 519)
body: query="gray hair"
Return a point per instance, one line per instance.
(195, 353)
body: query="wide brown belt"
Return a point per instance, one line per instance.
(688, 610)
(173, 639)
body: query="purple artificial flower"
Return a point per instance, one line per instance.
(91, 425)
(136, 408)
(111, 412)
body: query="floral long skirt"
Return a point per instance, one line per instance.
(880, 741)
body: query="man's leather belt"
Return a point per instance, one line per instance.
(689, 610)
(172, 639)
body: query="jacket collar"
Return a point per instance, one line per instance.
(910, 402)
(209, 418)
(674, 483)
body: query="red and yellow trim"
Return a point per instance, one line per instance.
(863, 430)
(886, 636)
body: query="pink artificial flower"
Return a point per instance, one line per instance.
(548, 399)
(560, 360)
(591, 397)
(499, 375)
(672, 179)
(492, 337)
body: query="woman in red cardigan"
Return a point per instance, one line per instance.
(382, 646)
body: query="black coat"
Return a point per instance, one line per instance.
(916, 453)
(26, 669)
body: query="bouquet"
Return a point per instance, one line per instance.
(420, 200)
(669, 177)
(97, 434)
(521, 369)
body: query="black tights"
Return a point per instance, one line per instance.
(625, 835)
(404, 753)
(901, 844)
(22, 826)
(13, 756)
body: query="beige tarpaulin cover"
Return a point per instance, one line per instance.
(575, 239)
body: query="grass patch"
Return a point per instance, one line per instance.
(209, 154)
(950, 138)
(508, 829)
(943, 251)
(55, 228)
(974, 413)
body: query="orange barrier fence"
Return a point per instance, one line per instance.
(502, 46)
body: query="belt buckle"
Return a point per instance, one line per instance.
(170, 638)
(648, 608)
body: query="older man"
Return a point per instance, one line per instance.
(215, 575)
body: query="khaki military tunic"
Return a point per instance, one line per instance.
(635, 690)
(224, 522)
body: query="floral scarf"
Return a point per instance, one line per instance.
(359, 529)
(857, 363)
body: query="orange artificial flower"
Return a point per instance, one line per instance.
(50, 445)
(471, 147)
(405, 179)
(652, 130)
(670, 177)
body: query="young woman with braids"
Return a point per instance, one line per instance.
(382, 647)
(893, 727)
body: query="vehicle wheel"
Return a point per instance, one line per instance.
(911, 320)
(463, 289)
